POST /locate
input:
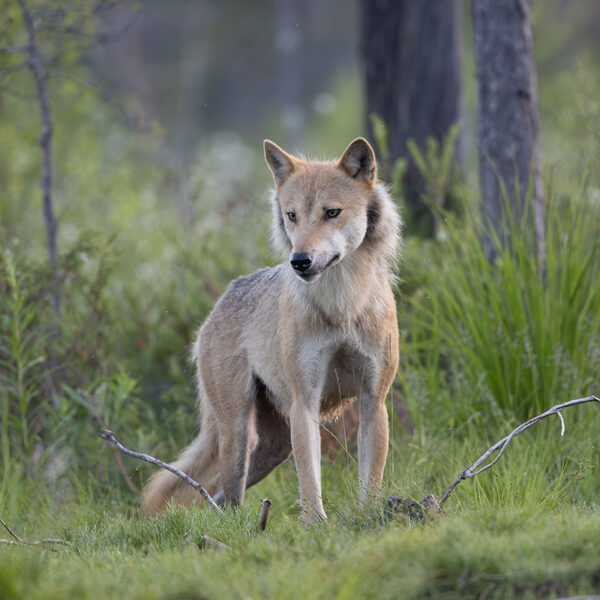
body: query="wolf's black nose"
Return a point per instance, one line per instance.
(300, 261)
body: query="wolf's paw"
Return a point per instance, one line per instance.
(310, 516)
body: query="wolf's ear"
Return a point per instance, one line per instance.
(359, 161)
(281, 163)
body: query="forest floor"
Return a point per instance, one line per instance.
(525, 529)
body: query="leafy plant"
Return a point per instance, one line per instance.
(515, 335)
(22, 357)
(438, 168)
(393, 171)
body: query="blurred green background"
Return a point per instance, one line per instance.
(161, 196)
(161, 192)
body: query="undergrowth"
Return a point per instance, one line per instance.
(508, 338)
(484, 346)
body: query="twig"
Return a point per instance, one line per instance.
(117, 456)
(21, 542)
(13, 49)
(123, 470)
(108, 435)
(264, 514)
(500, 447)
(562, 423)
(11, 531)
(206, 540)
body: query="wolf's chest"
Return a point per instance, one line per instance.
(349, 374)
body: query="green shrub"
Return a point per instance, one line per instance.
(513, 337)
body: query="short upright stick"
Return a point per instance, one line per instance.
(264, 514)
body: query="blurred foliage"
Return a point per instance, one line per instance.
(513, 337)
(150, 240)
(392, 171)
(443, 190)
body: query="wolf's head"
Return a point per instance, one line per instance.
(325, 211)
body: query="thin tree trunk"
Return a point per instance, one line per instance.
(36, 65)
(413, 76)
(509, 154)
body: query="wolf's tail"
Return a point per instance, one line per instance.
(199, 460)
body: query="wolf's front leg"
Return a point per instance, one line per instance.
(373, 433)
(306, 448)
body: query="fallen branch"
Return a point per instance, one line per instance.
(206, 540)
(117, 456)
(264, 514)
(500, 447)
(21, 542)
(108, 435)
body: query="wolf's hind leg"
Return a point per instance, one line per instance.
(237, 440)
(268, 446)
(274, 441)
(235, 446)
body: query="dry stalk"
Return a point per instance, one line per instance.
(206, 540)
(21, 542)
(264, 514)
(108, 435)
(500, 447)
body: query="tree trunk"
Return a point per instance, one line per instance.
(413, 66)
(509, 155)
(36, 65)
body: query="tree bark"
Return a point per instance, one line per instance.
(509, 155)
(413, 77)
(36, 65)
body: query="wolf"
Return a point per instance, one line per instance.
(291, 345)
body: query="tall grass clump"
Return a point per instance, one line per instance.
(514, 336)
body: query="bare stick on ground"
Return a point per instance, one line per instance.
(118, 459)
(264, 514)
(108, 435)
(21, 542)
(206, 540)
(500, 447)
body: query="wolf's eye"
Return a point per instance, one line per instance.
(332, 213)
(292, 216)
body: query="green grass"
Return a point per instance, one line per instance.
(513, 337)
(485, 346)
(507, 554)
(528, 529)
